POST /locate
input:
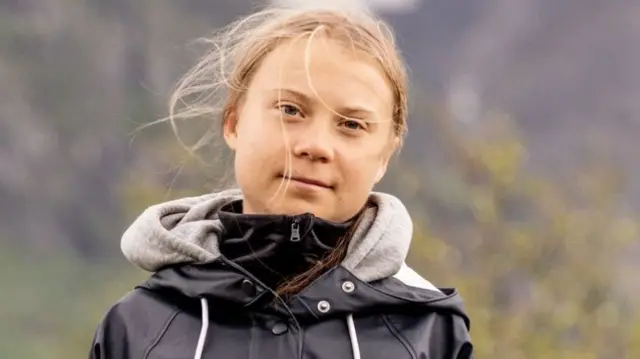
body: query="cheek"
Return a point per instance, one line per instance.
(358, 178)
(253, 130)
(360, 169)
(258, 148)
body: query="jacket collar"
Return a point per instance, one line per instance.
(187, 231)
(275, 248)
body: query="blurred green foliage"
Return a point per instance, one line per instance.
(537, 261)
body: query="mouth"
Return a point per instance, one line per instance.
(307, 181)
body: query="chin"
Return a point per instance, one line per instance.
(294, 207)
(292, 202)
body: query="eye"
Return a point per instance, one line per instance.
(289, 110)
(352, 125)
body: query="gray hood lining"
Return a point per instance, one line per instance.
(187, 230)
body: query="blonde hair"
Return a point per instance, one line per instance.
(214, 88)
(215, 85)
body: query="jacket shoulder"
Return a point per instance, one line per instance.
(131, 326)
(437, 326)
(433, 335)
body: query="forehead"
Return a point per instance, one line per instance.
(326, 70)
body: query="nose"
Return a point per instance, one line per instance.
(314, 145)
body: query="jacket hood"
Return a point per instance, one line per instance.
(187, 231)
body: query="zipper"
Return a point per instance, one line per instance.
(295, 230)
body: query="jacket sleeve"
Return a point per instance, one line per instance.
(438, 336)
(130, 327)
(459, 341)
(110, 338)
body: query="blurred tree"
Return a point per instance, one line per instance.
(537, 262)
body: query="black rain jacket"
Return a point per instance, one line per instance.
(220, 310)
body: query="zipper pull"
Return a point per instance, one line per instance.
(295, 230)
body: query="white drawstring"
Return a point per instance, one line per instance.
(204, 329)
(353, 336)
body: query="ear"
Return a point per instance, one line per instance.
(230, 129)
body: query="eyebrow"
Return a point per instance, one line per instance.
(297, 95)
(306, 100)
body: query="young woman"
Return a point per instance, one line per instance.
(303, 260)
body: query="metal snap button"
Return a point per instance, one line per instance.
(279, 328)
(348, 286)
(248, 287)
(324, 306)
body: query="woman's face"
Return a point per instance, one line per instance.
(332, 122)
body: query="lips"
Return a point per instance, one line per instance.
(307, 180)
